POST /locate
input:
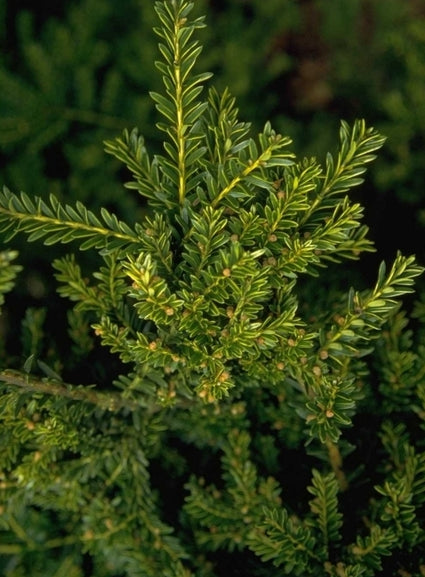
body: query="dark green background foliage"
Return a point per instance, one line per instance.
(235, 407)
(75, 73)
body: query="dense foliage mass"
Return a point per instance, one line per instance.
(219, 401)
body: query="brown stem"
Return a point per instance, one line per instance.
(335, 460)
(109, 401)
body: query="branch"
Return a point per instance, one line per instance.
(109, 401)
(59, 223)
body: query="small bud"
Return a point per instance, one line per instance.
(225, 375)
(339, 319)
(226, 272)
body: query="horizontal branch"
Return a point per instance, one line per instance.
(109, 401)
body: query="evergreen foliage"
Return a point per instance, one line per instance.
(218, 361)
(8, 272)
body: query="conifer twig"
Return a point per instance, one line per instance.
(111, 402)
(335, 460)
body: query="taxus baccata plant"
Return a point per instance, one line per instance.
(220, 446)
